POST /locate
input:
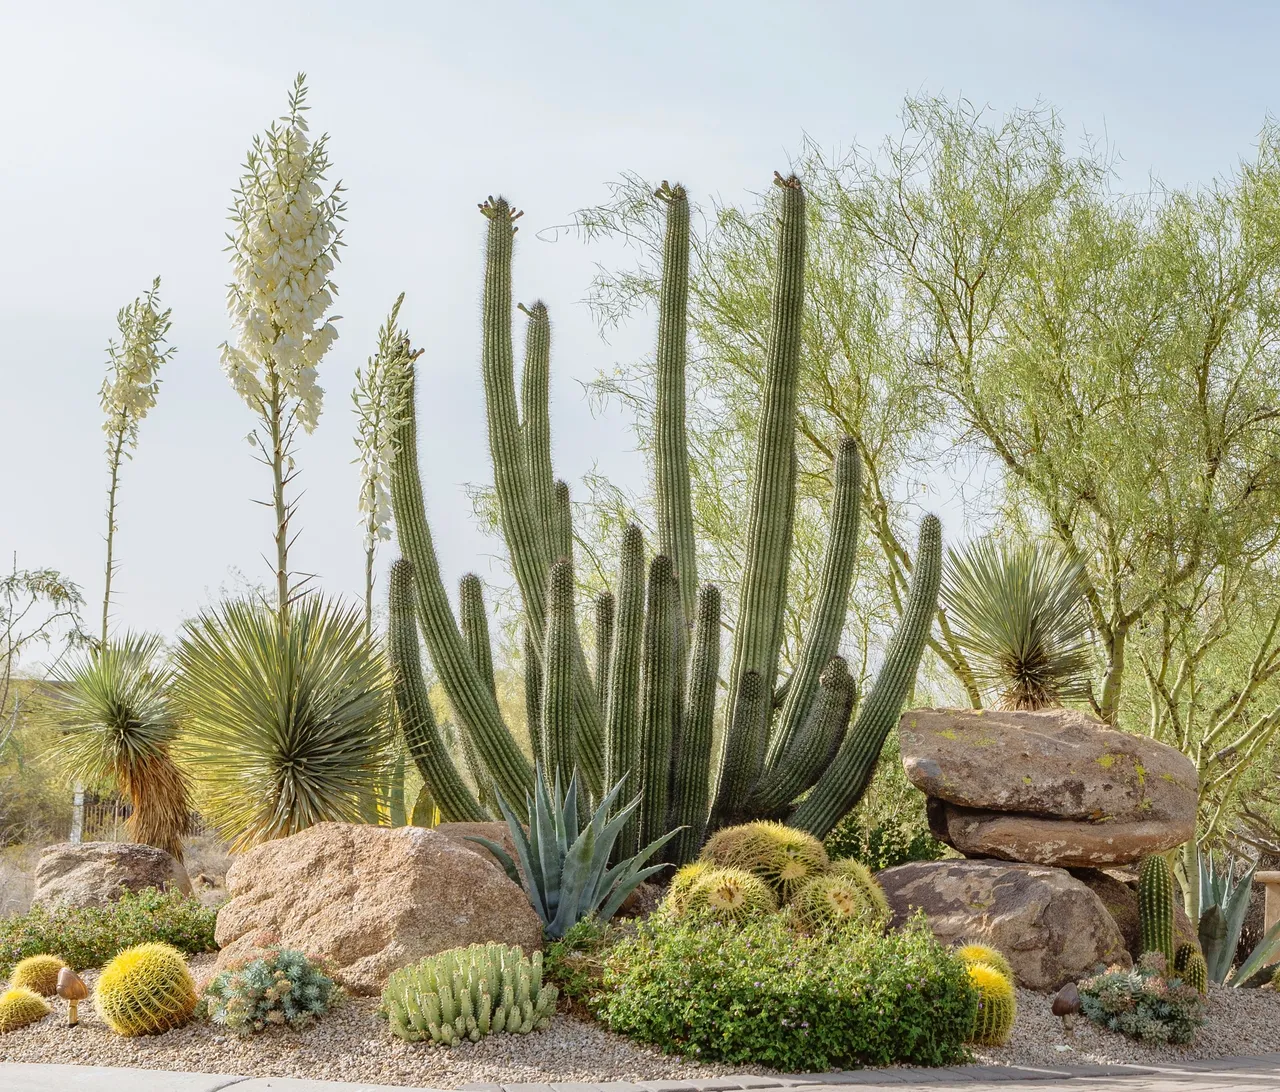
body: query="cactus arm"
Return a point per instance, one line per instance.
(657, 703)
(845, 780)
(558, 723)
(803, 762)
(691, 757)
(474, 621)
(762, 598)
(1155, 908)
(561, 522)
(533, 696)
(822, 642)
(622, 717)
(671, 453)
(535, 425)
(422, 737)
(470, 698)
(736, 773)
(605, 604)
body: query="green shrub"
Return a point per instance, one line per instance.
(575, 962)
(763, 994)
(282, 987)
(88, 936)
(882, 845)
(1143, 1004)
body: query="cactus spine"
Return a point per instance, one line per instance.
(845, 779)
(422, 736)
(558, 728)
(997, 1005)
(1155, 907)
(1191, 967)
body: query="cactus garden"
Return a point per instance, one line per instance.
(828, 629)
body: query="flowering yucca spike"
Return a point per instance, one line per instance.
(284, 247)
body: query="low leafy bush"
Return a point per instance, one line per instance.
(764, 994)
(1143, 1003)
(282, 987)
(575, 962)
(88, 936)
(883, 845)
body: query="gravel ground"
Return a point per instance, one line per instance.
(1239, 1022)
(351, 1043)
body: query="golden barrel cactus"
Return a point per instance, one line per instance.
(145, 990)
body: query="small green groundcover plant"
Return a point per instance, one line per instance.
(1143, 1003)
(88, 936)
(765, 994)
(281, 988)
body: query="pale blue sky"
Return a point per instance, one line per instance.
(124, 125)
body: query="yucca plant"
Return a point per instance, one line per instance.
(1020, 614)
(566, 871)
(289, 725)
(118, 724)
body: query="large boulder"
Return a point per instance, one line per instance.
(1120, 897)
(98, 873)
(1048, 787)
(367, 900)
(1049, 925)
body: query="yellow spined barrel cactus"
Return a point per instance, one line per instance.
(826, 901)
(21, 1006)
(973, 951)
(145, 990)
(730, 894)
(38, 973)
(997, 1005)
(780, 854)
(860, 874)
(682, 883)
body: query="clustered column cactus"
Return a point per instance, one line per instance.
(648, 711)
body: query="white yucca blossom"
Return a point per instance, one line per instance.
(285, 245)
(379, 404)
(133, 369)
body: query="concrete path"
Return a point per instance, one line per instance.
(1245, 1074)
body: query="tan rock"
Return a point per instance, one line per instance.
(1120, 897)
(461, 833)
(1056, 762)
(98, 873)
(367, 900)
(1065, 843)
(1051, 927)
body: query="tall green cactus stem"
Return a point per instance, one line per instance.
(533, 695)
(691, 755)
(671, 453)
(605, 604)
(657, 699)
(475, 632)
(807, 756)
(1155, 908)
(845, 779)
(762, 601)
(737, 774)
(535, 403)
(561, 522)
(456, 802)
(559, 727)
(1190, 966)
(471, 698)
(822, 642)
(622, 719)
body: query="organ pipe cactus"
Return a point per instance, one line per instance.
(648, 711)
(1155, 908)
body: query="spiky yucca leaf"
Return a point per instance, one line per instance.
(1020, 614)
(291, 728)
(118, 723)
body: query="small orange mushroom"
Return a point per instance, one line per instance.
(72, 990)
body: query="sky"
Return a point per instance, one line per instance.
(125, 124)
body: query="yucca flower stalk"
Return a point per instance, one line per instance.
(284, 246)
(119, 723)
(128, 393)
(379, 404)
(1020, 614)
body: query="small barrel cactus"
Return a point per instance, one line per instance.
(682, 883)
(145, 990)
(282, 987)
(730, 894)
(37, 972)
(860, 874)
(20, 1006)
(782, 855)
(1190, 966)
(1155, 907)
(827, 901)
(466, 993)
(972, 951)
(997, 1005)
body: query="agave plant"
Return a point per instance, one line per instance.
(565, 870)
(288, 724)
(1020, 614)
(119, 724)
